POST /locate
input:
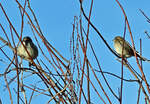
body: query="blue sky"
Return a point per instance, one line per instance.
(56, 18)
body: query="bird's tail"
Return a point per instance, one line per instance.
(142, 58)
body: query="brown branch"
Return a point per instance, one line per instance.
(105, 42)
(98, 63)
(133, 47)
(85, 49)
(148, 19)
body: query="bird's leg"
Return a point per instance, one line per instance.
(20, 64)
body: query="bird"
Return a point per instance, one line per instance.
(30, 47)
(127, 48)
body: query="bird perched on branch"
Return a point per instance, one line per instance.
(125, 51)
(27, 51)
(30, 47)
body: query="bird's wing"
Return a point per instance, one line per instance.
(137, 53)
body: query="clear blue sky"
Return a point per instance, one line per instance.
(56, 18)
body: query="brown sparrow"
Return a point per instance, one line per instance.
(31, 48)
(127, 51)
